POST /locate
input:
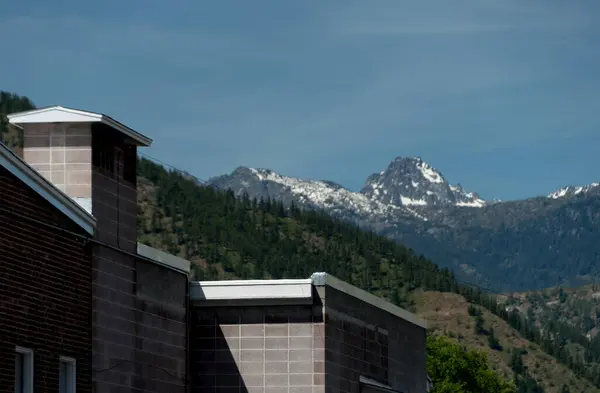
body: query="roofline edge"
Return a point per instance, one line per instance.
(325, 279)
(46, 190)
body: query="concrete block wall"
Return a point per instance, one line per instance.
(385, 348)
(113, 321)
(353, 349)
(139, 318)
(139, 326)
(62, 153)
(114, 196)
(258, 349)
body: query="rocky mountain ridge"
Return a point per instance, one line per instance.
(397, 193)
(571, 191)
(413, 182)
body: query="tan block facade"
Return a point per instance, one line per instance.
(62, 153)
(337, 344)
(258, 350)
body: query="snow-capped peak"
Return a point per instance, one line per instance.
(321, 194)
(570, 191)
(411, 181)
(396, 193)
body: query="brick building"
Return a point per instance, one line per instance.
(136, 295)
(84, 305)
(299, 336)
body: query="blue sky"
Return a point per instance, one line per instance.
(500, 95)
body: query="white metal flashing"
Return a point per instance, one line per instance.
(61, 114)
(377, 385)
(85, 203)
(165, 259)
(15, 165)
(252, 290)
(324, 279)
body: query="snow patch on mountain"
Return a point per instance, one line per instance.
(331, 196)
(428, 172)
(570, 191)
(408, 188)
(410, 181)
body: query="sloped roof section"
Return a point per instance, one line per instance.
(61, 114)
(19, 168)
(323, 279)
(165, 259)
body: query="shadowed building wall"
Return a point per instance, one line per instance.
(300, 336)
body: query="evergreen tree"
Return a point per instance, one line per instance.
(493, 340)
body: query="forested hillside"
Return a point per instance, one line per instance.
(577, 308)
(10, 103)
(518, 245)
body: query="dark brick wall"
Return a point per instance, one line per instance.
(45, 289)
(365, 340)
(139, 308)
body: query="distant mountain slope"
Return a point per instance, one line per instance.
(514, 245)
(530, 244)
(578, 308)
(448, 314)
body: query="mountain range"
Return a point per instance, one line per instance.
(517, 245)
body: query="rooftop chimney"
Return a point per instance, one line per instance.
(91, 158)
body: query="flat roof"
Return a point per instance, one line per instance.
(61, 114)
(233, 292)
(256, 291)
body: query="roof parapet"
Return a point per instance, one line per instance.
(271, 292)
(326, 280)
(165, 259)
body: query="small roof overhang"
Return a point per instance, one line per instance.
(61, 114)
